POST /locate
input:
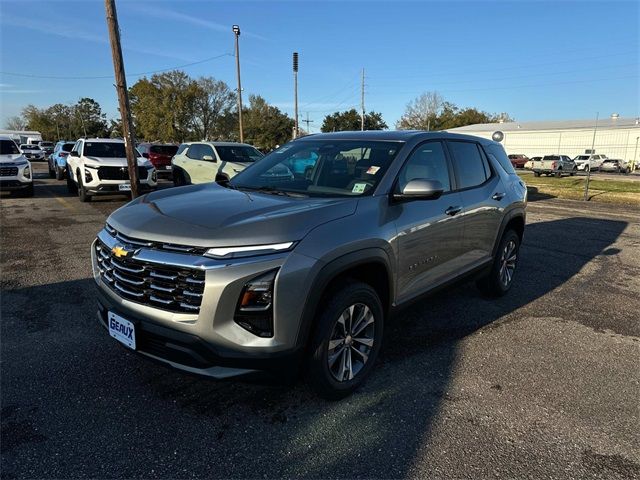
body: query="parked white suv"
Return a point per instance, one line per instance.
(98, 166)
(201, 162)
(589, 162)
(15, 169)
(32, 152)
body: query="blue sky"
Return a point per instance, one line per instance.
(535, 60)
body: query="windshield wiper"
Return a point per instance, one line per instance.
(272, 190)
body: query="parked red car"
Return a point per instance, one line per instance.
(159, 154)
(518, 160)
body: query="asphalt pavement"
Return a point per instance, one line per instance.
(542, 383)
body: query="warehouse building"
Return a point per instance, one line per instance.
(615, 137)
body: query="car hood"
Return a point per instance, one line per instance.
(209, 215)
(11, 159)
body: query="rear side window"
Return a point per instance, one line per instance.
(67, 147)
(471, 166)
(498, 154)
(195, 151)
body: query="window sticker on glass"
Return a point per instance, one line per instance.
(373, 170)
(359, 187)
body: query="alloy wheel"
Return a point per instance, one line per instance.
(351, 342)
(508, 263)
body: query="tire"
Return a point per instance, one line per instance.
(27, 192)
(558, 174)
(52, 173)
(72, 188)
(178, 179)
(497, 283)
(83, 195)
(536, 174)
(59, 173)
(346, 298)
(587, 168)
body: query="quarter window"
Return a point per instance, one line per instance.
(471, 166)
(427, 162)
(207, 150)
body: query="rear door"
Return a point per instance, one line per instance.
(194, 164)
(429, 231)
(483, 197)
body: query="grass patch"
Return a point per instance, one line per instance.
(600, 190)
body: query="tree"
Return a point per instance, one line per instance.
(350, 120)
(87, 118)
(213, 102)
(163, 107)
(421, 112)
(265, 126)
(16, 123)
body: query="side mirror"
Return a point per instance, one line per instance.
(74, 153)
(208, 158)
(420, 189)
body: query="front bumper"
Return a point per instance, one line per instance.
(12, 177)
(100, 186)
(209, 340)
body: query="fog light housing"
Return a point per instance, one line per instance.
(254, 311)
(154, 175)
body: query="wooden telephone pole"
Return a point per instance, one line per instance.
(123, 94)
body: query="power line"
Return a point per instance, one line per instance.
(100, 77)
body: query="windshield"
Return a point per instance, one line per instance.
(46, 144)
(104, 149)
(8, 147)
(164, 149)
(321, 168)
(232, 153)
(582, 157)
(30, 147)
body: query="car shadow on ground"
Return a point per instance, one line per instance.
(248, 426)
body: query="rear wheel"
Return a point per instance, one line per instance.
(558, 174)
(178, 178)
(499, 280)
(536, 174)
(52, 172)
(346, 340)
(59, 173)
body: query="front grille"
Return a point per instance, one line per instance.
(166, 287)
(119, 173)
(8, 171)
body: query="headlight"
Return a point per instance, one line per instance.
(27, 172)
(250, 251)
(87, 175)
(255, 305)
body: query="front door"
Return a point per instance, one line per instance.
(430, 232)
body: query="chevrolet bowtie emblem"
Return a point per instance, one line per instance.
(119, 251)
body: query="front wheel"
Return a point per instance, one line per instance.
(499, 280)
(72, 188)
(83, 195)
(558, 174)
(536, 174)
(59, 173)
(346, 340)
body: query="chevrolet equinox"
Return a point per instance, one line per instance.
(298, 261)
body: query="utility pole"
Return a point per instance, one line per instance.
(593, 144)
(296, 129)
(362, 103)
(123, 94)
(236, 31)
(307, 121)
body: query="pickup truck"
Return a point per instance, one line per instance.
(554, 165)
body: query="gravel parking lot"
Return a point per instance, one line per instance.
(543, 383)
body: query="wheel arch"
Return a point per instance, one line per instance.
(515, 220)
(371, 266)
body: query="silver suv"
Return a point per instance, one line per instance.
(298, 262)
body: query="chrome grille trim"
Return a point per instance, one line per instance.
(159, 285)
(171, 247)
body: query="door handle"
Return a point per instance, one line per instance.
(498, 196)
(452, 210)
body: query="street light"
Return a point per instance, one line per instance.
(236, 31)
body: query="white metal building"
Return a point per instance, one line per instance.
(22, 136)
(615, 137)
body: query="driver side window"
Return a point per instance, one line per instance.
(428, 162)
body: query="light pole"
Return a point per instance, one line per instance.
(593, 145)
(295, 94)
(236, 31)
